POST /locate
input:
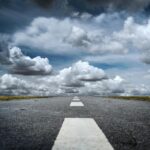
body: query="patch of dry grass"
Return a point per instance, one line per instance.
(140, 98)
(8, 98)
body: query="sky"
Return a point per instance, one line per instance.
(74, 47)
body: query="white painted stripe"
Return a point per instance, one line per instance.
(76, 104)
(76, 99)
(81, 134)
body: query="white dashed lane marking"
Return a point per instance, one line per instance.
(76, 98)
(76, 104)
(81, 134)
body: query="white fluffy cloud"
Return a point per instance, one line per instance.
(25, 65)
(90, 38)
(137, 35)
(45, 34)
(10, 85)
(77, 37)
(139, 90)
(15, 85)
(80, 72)
(103, 34)
(113, 86)
(68, 36)
(80, 78)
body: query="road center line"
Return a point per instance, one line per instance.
(76, 99)
(81, 134)
(76, 104)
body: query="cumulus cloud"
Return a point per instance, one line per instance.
(74, 35)
(137, 90)
(77, 37)
(15, 85)
(25, 65)
(80, 78)
(68, 36)
(16, 62)
(79, 72)
(45, 34)
(96, 31)
(47, 86)
(137, 35)
(113, 86)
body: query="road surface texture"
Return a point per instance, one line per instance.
(35, 124)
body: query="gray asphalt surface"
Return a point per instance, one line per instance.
(34, 124)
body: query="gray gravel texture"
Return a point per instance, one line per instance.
(34, 124)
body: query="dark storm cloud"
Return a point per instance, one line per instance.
(4, 52)
(15, 14)
(98, 6)
(44, 3)
(120, 4)
(95, 6)
(80, 5)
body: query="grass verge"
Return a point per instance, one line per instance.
(8, 98)
(140, 98)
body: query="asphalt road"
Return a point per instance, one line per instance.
(35, 124)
